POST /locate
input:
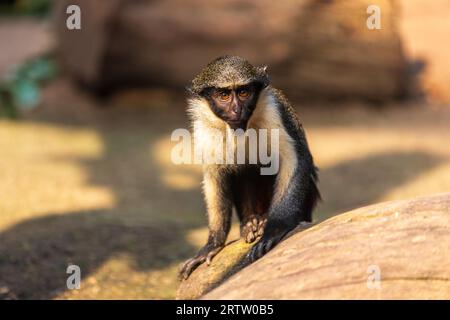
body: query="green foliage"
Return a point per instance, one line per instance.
(26, 7)
(21, 87)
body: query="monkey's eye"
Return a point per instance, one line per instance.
(243, 93)
(224, 95)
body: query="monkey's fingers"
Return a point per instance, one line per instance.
(189, 266)
(261, 226)
(262, 247)
(253, 229)
(254, 224)
(212, 254)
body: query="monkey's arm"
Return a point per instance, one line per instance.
(219, 206)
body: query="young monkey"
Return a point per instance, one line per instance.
(230, 93)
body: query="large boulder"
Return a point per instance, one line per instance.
(392, 250)
(314, 49)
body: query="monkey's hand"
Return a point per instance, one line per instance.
(270, 239)
(253, 228)
(205, 254)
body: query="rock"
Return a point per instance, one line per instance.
(82, 52)
(408, 242)
(405, 242)
(225, 264)
(314, 49)
(204, 278)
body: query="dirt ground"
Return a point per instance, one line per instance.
(91, 183)
(97, 189)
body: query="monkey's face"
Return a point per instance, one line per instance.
(234, 105)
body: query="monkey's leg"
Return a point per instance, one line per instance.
(252, 194)
(253, 209)
(294, 205)
(219, 205)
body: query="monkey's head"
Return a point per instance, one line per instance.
(231, 86)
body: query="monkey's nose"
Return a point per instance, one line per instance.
(235, 110)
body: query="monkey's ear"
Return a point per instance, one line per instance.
(190, 91)
(262, 71)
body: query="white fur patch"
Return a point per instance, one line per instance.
(265, 116)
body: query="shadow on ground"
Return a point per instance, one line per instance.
(34, 254)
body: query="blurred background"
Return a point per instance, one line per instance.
(86, 117)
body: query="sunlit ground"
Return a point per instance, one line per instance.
(95, 186)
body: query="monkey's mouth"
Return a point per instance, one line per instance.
(237, 124)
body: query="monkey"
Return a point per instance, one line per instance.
(231, 94)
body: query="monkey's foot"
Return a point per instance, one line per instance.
(253, 228)
(191, 264)
(264, 245)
